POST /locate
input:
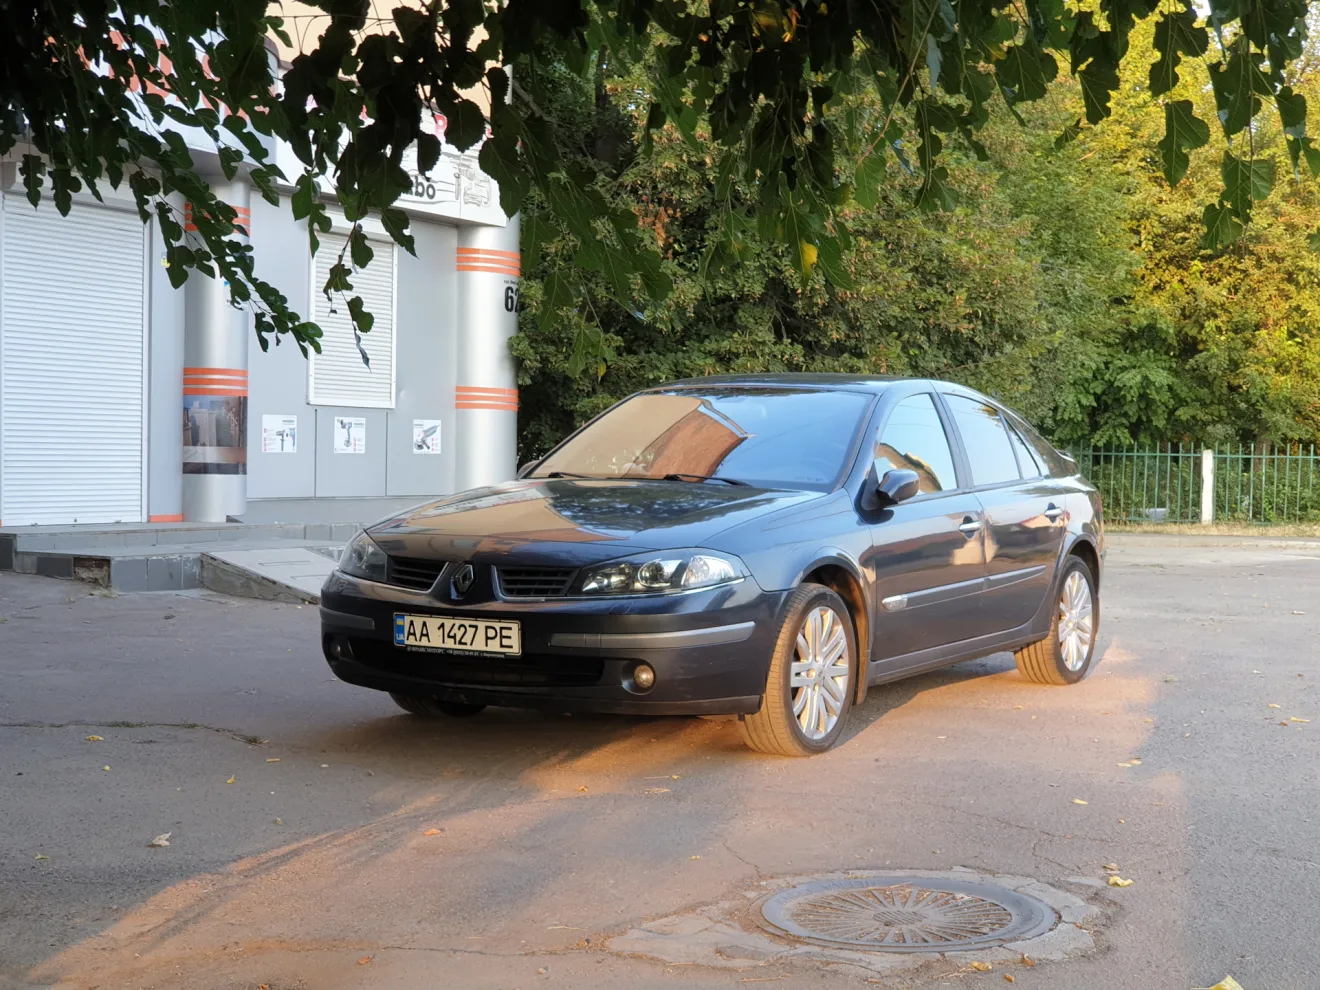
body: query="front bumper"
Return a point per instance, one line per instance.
(710, 650)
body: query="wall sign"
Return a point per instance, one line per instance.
(350, 435)
(426, 436)
(279, 434)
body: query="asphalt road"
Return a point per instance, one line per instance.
(299, 808)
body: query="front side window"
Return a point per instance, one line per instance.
(768, 437)
(913, 439)
(985, 438)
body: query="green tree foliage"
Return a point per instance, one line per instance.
(1072, 281)
(801, 106)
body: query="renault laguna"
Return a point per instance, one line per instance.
(765, 546)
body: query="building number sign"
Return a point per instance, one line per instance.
(510, 298)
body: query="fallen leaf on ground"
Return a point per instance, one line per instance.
(980, 967)
(582, 788)
(39, 856)
(1128, 764)
(1295, 612)
(160, 841)
(1227, 983)
(1080, 801)
(657, 790)
(674, 776)
(105, 768)
(1028, 961)
(432, 831)
(1284, 724)
(230, 780)
(364, 960)
(1116, 881)
(1135, 760)
(1171, 679)
(95, 739)
(694, 857)
(273, 759)
(1294, 718)
(1008, 978)
(1111, 866)
(279, 821)
(1274, 706)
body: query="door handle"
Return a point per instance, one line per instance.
(970, 527)
(1053, 512)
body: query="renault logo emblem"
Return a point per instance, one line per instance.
(463, 578)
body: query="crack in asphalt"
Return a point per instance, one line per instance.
(251, 740)
(742, 859)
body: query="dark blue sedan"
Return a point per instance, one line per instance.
(766, 546)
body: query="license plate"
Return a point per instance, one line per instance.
(455, 635)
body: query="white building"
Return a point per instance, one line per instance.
(125, 400)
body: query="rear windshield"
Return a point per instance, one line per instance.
(771, 438)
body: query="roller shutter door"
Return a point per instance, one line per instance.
(72, 338)
(337, 376)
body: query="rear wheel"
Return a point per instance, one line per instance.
(428, 707)
(809, 690)
(1066, 654)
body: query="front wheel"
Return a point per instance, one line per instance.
(809, 690)
(427, 707)
(1066, 654)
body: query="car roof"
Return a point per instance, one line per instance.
(820, 380)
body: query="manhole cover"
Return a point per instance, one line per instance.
(906, 914)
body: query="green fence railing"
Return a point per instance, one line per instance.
(1165, 482)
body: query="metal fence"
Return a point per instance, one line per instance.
(1166, 483)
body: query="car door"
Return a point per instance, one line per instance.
(927, 551)
(1024, 512)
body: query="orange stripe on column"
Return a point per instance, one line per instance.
(499, 407)
(490, 253)
(225, 390)
(177, 518)
(485, 390)
(514, 272)
(235, 372)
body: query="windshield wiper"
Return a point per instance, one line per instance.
(684, 476)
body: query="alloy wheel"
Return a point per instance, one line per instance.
(820, 673)
(1076, 625)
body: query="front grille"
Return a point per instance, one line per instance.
(529, 670)
(535, 582)
(412, 572)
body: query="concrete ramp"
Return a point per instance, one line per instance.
(282, 574)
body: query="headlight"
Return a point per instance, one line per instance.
(659, 573)
(363, 559)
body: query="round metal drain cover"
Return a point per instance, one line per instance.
(906, 914)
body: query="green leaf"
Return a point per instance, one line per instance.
(1246, 182)
(1292, 112)
(1068, 135)
(395, 222)
(1183, 130)
(1176, 34)
(428, 152)
(466, 124)
(1098, 79)
(359, 248)
(1222, 227)
(362, 321)
(869, 178)
(1026, 72)
(1237, 86)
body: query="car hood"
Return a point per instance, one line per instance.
(574, 521)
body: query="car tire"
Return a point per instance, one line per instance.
(779, 727)
(427, 707)
(1057, 659)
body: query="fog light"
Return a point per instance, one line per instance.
(340, 649)
(643, 676)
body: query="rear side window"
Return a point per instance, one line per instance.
(985, 438)
(1032, 466)
(913, 439)
(1049, 459)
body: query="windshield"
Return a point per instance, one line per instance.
(772, 438)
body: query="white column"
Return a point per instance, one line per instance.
(215, 387)
(486, 399)
(1207, 486)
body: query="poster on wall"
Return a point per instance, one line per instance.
(350, 435)
(426, 436)
(279, 434)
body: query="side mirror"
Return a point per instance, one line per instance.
(896, 485)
